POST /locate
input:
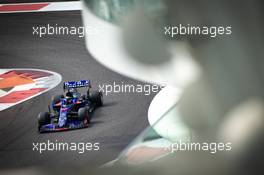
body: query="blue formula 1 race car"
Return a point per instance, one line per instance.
(72, 110)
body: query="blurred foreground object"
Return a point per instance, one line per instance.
(219, 80)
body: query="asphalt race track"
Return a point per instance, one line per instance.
(113, 126)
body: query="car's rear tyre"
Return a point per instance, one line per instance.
(43, 119)
(97, 98)
(83, 114)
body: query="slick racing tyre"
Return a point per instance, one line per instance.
(43, 119)
(83, 113)
(97, 98)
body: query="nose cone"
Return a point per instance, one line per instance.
(63, 117)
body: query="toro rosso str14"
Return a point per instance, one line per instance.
(72, 110)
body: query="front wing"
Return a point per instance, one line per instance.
(70, 126)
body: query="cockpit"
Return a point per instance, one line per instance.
(73, 93)
(66, 101)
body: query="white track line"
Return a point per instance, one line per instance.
(62, 6)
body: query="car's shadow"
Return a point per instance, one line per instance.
(94, 123)
(109, 104)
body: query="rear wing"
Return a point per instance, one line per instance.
(76, 84)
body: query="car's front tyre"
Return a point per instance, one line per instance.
(43, 119)
(83, 114)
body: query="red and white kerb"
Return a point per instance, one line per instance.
(19, 85)
(40, 7)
